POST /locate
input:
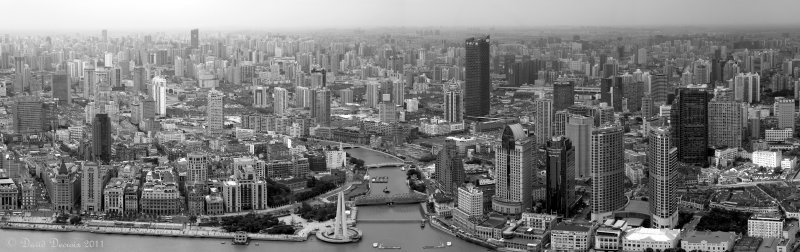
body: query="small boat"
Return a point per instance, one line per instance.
(449, 244)
(222, 243)
(403, 168)
(386, 189)
(422, 224)
(380, 246)
(375, 245)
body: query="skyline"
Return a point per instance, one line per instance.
(347, 14)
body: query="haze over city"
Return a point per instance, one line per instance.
(156, 15)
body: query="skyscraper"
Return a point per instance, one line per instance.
(139, 79)
(578, 130)
(261, 97)
(398, 93)
(195, 38)
(372, 95)
(89, 81)
(689, 123)
(160, 95)
(513, 171)
(658, 89)
(346, 95)
(661, 158)
(560, 184)
(101, 138)
(543, 118)
(214, 115)
(453, 104)
(323, 107)
(477, 85)
(28, 115)
(61, 88)
(726, 120)
(784, 111)
(563, 95)
(608, 171)
(280, 100)
(197, 169)
(450, 168)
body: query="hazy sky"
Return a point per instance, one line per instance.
(277, 14)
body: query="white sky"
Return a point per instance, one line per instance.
(288, 14)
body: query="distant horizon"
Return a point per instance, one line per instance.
(172, 15)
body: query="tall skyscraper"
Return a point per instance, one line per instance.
(453, 103)
(372, 95)
(139, 79)
(578, 130)
(398, 93)
(160, 95)
(563, 95)
(726, 120)
(89, 81)
(450, 168)
(101, 138)
(661, 158)
(658, 89)
(543, 118)
(61, 88)
(477, 85)
(92, 187)
(195, 38)
(560, 184)
(608, 171)
(513, 171)
(280, 100)
(689, 123)
(784, 110)
(19, 74)
(197, 169)
(323, 107)
(214, 114)
(104, 35)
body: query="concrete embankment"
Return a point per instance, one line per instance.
(186, 233)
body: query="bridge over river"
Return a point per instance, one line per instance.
(405, 198)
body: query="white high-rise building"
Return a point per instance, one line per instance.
(214, 115)
(453, 104)
(280, 100)
(608, 171)
(260, 97)
(661, 160)
(160, 95)
(513, 171)
(109, 60)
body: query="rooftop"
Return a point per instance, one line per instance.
(652, 234)
(709, 237)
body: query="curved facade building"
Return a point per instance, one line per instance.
(513, 161)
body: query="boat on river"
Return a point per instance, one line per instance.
(386, 190)
(381, 246)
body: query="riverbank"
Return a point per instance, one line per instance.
(185, 233)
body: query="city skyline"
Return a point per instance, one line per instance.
(258, 15)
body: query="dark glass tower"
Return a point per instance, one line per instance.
(101, 138)
(563, 95)
(477, 82)
(560, 176)
(690, 124)
(195, 38)
(450, 168)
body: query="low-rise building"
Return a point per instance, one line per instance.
(608, 239)
(765, 226)
(638, 239)
(569, 237)
(769, 159)
(708, 241)
(9, 194)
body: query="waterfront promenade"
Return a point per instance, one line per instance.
(187, 232)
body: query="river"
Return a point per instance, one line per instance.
(409, 236)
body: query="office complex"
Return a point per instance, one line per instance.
(560, 181)
(214, 116)
(543, 120)
(280, 101)
(477, 85)
(513, 170)
(578, 131)
(195, 38)
(563, 95)
(726, 121)
(61, 88)
(689, 121)
(101, 138)
(450, 168)
(323, 107)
